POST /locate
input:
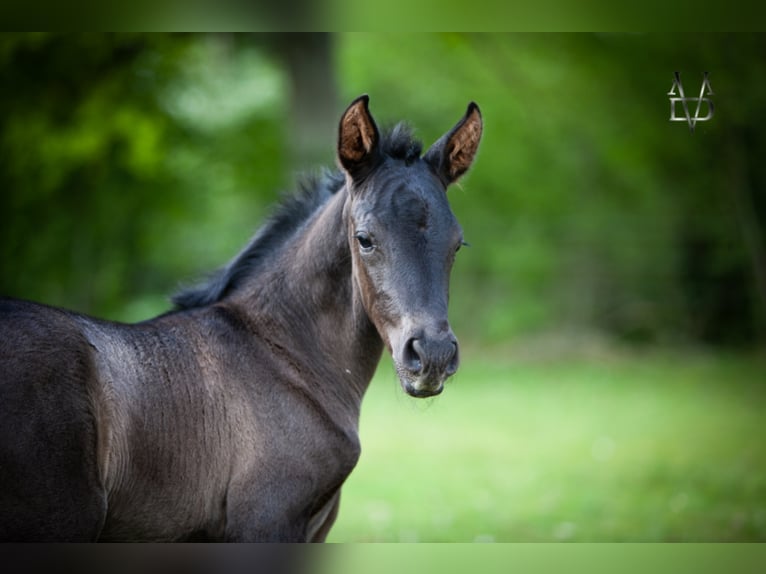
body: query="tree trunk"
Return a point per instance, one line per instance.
(313, 97)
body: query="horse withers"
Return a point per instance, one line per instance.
(235, 416)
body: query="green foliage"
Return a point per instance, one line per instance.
(131, 163)
(129, 166)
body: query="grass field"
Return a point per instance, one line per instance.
(612, 447)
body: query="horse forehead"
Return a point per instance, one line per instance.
(413, 195)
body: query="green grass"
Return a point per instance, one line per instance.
(618, 447)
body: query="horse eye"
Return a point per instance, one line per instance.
(461, 244)
(365, 243)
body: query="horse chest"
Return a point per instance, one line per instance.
(305, 447)
(287, 478)
(260, 454)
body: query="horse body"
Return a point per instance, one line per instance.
(203, 411)
(235, 418)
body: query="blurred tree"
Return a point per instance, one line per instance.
(81, 147)
(130, 162)
(310, 65)
(118, 151)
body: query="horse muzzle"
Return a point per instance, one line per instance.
(425, 361)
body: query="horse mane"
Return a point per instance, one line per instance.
(398, 142)
(291, 212)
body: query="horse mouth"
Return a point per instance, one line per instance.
(423, 392)
(421, 387)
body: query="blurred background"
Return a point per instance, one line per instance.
(611, 307)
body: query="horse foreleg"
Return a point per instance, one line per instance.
(322, 521)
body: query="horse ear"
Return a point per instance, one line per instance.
(453, 153)
(357, 137)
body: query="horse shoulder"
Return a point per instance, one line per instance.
(166, 426)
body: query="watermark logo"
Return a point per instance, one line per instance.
(677, 90)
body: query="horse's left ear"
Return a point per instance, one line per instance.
(453, 153)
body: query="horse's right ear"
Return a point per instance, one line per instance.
(358, 138)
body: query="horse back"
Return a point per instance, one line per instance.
(50, 488)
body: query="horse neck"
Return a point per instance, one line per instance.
(309, 303)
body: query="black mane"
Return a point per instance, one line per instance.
(397, 143)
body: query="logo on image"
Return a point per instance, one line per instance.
(677, 89)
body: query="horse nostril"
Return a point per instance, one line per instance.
(454, 360)
(411, 357)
